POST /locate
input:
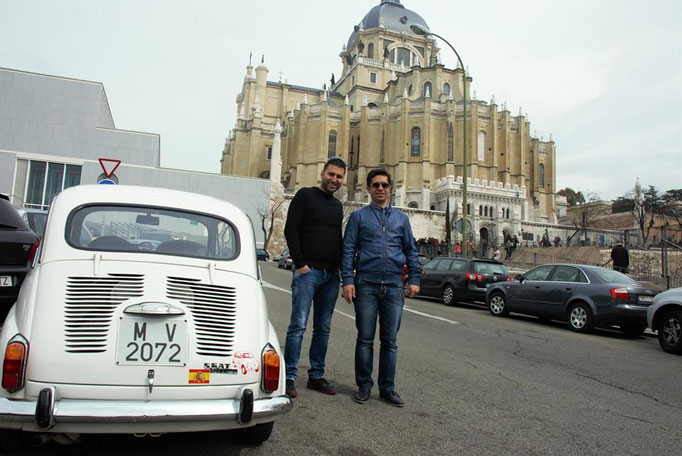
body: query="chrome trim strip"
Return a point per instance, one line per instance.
(93, 411)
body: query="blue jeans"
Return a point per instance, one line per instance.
(385, 301)
(321, 289)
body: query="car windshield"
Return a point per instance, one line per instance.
(610, 276)
(151, 230)
(490, 268)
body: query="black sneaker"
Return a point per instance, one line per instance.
(361, 396)
(392, 398)
(290, 389)
(321, 385)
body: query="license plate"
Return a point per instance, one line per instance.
(151, 342)
(643, 298)
(5, 281)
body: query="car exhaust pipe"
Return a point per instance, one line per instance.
(41, 439)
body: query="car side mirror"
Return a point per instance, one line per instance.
(519, 277)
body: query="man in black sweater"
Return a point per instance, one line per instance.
(313, 233)
(621, 258)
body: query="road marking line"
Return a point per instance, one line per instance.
(452, 322)
(345, 314)
(274, 287)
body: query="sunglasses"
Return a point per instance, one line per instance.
(380, 184)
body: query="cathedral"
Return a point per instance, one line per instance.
(395, 106)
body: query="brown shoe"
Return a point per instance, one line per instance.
(321, 385)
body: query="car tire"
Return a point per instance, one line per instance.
(670, 331)
(497, 305)
(580, 318)
(257, 434)
(633, 330)
(448, 295)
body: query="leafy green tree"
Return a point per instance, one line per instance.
(572, 197)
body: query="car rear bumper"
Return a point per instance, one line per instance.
(105, 416)
(625, 314)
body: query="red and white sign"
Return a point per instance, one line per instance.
(109, 165)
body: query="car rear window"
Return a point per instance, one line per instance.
(490, 268)
(610, 276)
(10, 218)
(152, 230)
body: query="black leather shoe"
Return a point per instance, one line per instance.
(392, 398)
(290, 389)
(361, 396)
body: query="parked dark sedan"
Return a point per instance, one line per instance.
(460, 279)
(262, 255)
(18, 246)
(584, 296)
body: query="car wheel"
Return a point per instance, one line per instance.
(448, 295)
(497, 305)
(670, 331)
(580, 318)
(279, 265)
(633, 330)
(257, 434)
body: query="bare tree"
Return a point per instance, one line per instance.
(583, 215)
(648, 205)
(267, 215)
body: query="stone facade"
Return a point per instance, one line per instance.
(396, 107)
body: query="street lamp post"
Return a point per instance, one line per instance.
(421, 30)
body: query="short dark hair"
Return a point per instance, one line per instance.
(378, 172)
(335, 161)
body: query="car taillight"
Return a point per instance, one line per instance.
(14, 364)
(474, 277)
(271, 363)
(509, 279)
(620, 293)
(32, 252)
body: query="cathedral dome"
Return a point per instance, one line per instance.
(391, 15)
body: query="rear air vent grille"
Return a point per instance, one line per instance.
(90, 305)
(213, 310)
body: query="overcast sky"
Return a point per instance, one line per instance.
(603, 76)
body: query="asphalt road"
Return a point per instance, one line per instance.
(473, 385)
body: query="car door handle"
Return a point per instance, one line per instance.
(537, 287)
(568, 288)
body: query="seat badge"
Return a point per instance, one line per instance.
(150, 379)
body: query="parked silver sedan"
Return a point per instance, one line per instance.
(665, 316)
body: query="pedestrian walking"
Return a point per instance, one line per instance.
(381, 237)
(313, 234)
(458, 249)
(621, 258)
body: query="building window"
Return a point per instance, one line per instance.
(409, 89)
(269, 153)
(352, 80)
(451, 143)
(331, 149)
(446, 89)
(370, 50)
(541, 177)
(468, 209)
(46, 179)
(416, 141)
(481, 146)
(428, 87)
(373, 78)
(480, 210)
(413, 205)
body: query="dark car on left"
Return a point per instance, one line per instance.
(18, 247)
(262, 255)
(583, 296)
(460, 279)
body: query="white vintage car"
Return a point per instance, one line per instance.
(107, 337)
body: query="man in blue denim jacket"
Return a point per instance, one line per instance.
(377, 243)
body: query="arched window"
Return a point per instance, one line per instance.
(370, 50)
(269, 153)
(480, 210)
(481, 146)
(451, 143)
(541, 177)
(446, 89)
(485, 211)
(331, 149)
(416, 141)
(413, 205)
(427, 86)
(409, 90)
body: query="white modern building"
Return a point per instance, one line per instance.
(54, 130)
